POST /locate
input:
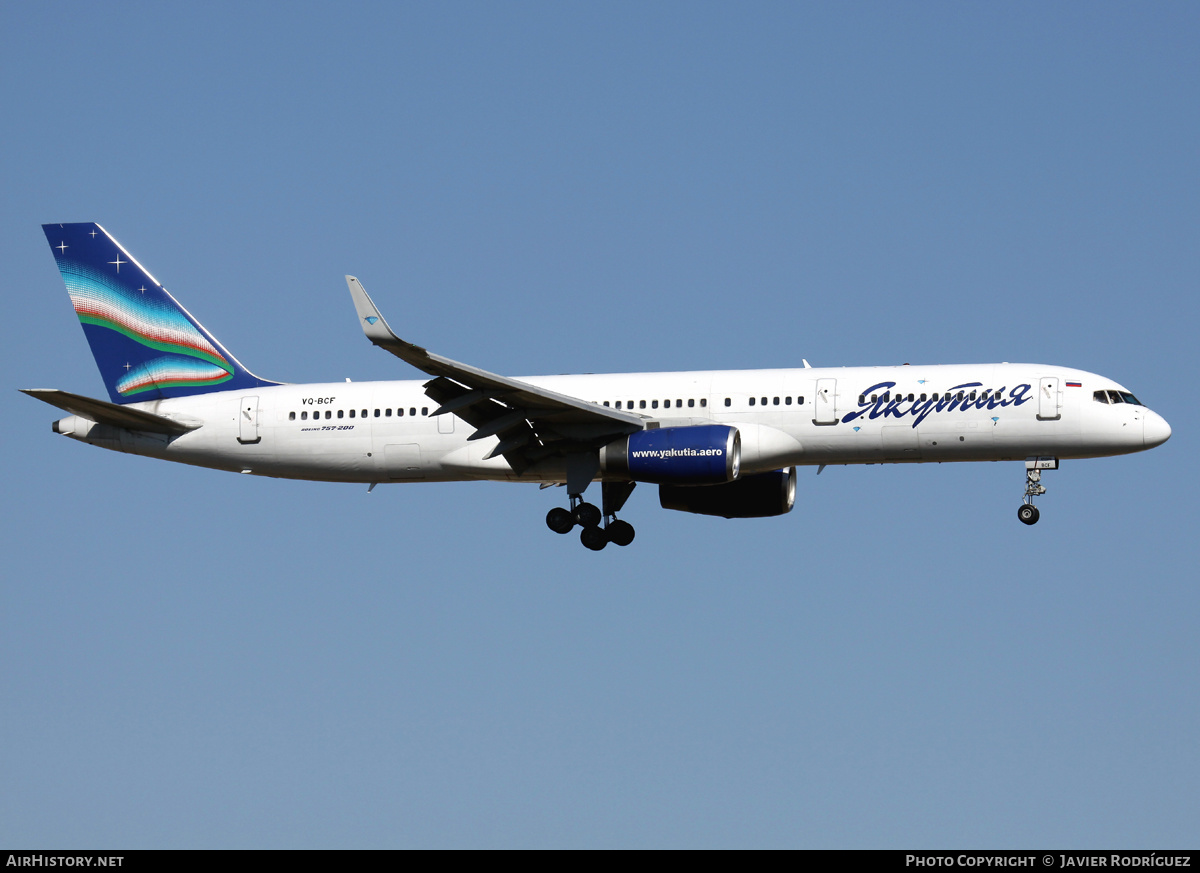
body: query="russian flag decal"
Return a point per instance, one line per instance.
(1074, 384)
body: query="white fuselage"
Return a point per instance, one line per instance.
(383, 431)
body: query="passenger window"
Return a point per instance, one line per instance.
(764, 401)
(341, 413)
(641, 404)
(728, 401)
(961, 395)
(387, 413)
(862, 398)
(424, 410)
(923, 398)
(352, 413)
(606, 403)
(291, 416)
(800, 400)
(704, 401)
(775, 401)
(691, 402)
(400, 411)
(377, 413)
(304, 416)
(364, 413)
(911, 397)
(654, 404)
(751, 401)
(935, 397)
(618, 404)
(787, 401)
(972, 396)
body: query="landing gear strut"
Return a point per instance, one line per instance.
(1028, 513)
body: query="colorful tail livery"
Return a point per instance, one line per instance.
(146, 345)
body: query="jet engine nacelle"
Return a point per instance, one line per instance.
(759, 496)
(699, 455)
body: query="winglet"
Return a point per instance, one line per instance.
(376, 327)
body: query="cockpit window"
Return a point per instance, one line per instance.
(1115, 397)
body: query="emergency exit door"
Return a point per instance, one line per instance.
(248, 421)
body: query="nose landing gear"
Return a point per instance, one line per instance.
(1028, 513)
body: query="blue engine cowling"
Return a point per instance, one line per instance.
(759, 496)
(702, 455)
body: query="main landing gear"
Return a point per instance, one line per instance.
(589, 517)
(1028, 513)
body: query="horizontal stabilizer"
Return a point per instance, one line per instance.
(103, 412)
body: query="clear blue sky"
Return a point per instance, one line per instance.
(191, 658)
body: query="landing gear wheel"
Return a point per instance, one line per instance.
(588, 515)
(1028, 513)
(560, 520)
(620, 532)
(593, 538)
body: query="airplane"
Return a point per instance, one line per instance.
(721, 443)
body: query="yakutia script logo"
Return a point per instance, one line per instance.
(960, 397)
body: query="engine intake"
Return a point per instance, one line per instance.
(759, 496)
(700, 455)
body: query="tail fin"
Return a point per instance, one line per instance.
(146, 345)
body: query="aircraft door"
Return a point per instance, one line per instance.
(825, 402)
(248, 421)
(1049, 399)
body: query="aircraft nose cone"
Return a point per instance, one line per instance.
(1155, 431)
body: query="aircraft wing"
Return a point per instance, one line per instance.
(103, 412)
(531, 422)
